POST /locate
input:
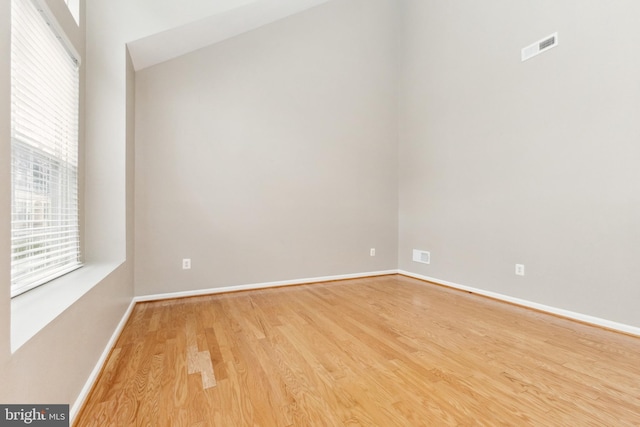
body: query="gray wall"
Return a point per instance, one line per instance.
(271, 156)
(504, 162)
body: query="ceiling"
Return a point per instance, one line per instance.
(175, 42)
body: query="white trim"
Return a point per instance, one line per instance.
(50, 19)
(33, 310)
(84, 393)
(255, 286)
(621, 327)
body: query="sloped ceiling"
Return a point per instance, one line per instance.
(180, 40)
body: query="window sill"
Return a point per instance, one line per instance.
(34, 310)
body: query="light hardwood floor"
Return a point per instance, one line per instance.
(385, 351)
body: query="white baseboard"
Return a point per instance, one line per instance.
(255, 286)
(621, 327)
(84, 393)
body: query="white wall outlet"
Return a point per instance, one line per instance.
(186, 264)
(423, 257)
(372, 251)
(519, 270)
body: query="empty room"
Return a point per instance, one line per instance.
(320, 213)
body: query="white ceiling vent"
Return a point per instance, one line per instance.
(538, 47)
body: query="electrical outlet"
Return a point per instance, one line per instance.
(519, 270)
(186, 264)
(372, 251)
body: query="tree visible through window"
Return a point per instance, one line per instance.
(45, 232)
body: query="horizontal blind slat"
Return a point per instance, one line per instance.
(44, 277)
(38, 262)
(45, 238)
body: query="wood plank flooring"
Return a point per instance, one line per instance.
(385, 351)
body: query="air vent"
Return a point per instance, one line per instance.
(548, 42)
(538, 47)
(423, 257)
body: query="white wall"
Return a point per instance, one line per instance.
(5, 190)
(110, 26)
(271, 156)
(504, 162)
(53, 365)
(500, 162)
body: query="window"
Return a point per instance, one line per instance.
(74, 8)
(45, 232)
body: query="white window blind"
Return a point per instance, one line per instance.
(45, 232)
